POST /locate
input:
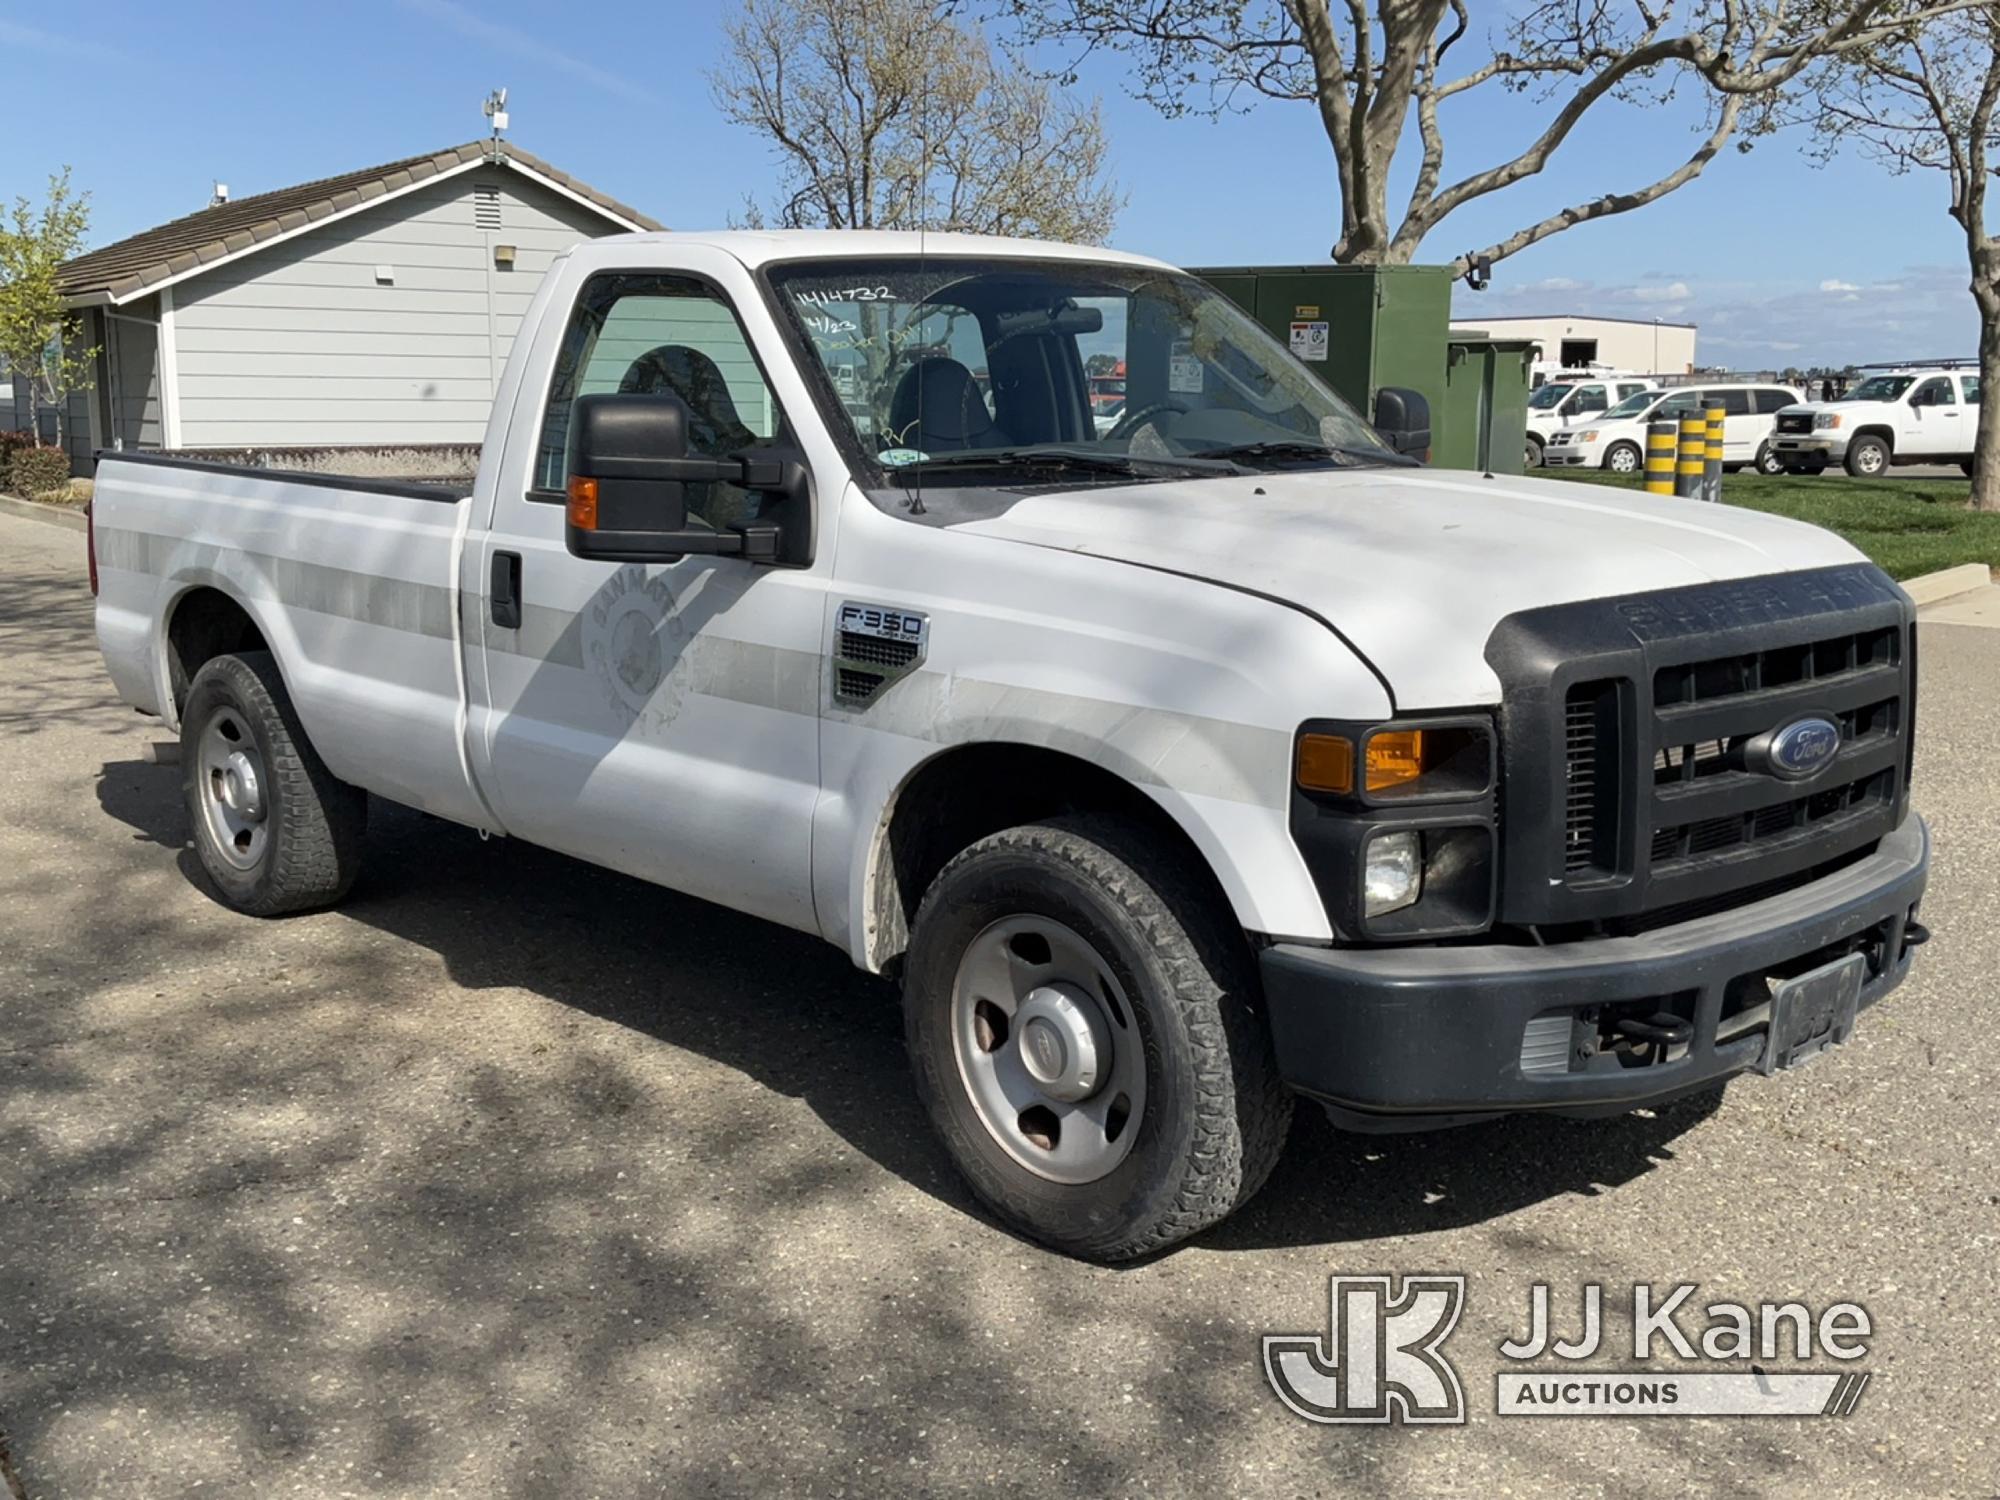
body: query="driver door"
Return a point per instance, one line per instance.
(1935, 421)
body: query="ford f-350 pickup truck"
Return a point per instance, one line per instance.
(1222, 757)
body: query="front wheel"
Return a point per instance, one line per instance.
(1086, 1039)
(1532, 455)
(1867, 457)
(273, 827)
(1623, 458)
(1769, 463)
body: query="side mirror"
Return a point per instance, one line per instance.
(1403, 421)
(629, 471)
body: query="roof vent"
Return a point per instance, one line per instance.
(486, 208)
(220, 196)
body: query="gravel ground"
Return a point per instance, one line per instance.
(518, 1178)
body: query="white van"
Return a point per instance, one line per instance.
(1560, 402)
(1616, 440)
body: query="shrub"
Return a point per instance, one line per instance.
(38, 471)
(12, 442)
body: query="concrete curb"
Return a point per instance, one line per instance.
(48, 515)
(1946, 583)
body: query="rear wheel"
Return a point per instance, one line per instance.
(1867, 457)
(275, 830)
(1966, 468)
(1086, 1042)
(1623, 458)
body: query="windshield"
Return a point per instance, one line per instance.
(1061, 371)
(1633, 406)
(1881, 388)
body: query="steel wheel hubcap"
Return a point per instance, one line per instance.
(1048, 1049)
(232, 789)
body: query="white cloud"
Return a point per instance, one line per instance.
(1556, 284)
(1832, 285)
(1673, 291)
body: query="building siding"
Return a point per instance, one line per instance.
(1624, 344)
(302, 344)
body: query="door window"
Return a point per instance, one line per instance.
(662, 335)
(1971, 390)
(1769, 401)
(1934, 392)
(1589, 398)
(1735, 403)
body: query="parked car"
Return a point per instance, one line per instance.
(1617, 440)
(1908, 417)
(1559, 403)
(1162, 768)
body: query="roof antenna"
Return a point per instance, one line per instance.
(219, 196)
(923, 279)
(496, 111)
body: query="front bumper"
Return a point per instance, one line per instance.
(1825, 446)
(1569, 458)
(1417, 1037)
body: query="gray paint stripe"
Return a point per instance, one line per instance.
(1155, 747)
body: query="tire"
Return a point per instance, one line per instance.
(1624, 458)
(1175, 989)
(1868, 457)
(1966, 468)
(275, 830)
(1768, 462)
(1533, 455)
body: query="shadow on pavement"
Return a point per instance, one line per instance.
(788, 1010)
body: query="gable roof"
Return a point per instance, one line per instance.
(146, 261)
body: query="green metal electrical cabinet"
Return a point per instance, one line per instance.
(1359, 327)
(1485, 420)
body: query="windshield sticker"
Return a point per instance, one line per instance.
(1309, 340)
(846, 294)
(897, 458)
(1184, 371)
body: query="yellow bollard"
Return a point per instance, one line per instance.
(1711, 487)
(1693, 465)
(1660, 457)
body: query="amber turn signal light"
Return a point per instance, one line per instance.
(1326, 763)
(583, 503)
(1395, 757)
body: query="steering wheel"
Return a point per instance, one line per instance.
(1132, 421)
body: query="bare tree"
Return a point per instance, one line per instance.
(1368, 65)
(891, 114)
(1924, 99)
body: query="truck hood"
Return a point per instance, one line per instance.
(1415, 567)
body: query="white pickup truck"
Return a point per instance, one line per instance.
(1909, 417)
(1223, 757)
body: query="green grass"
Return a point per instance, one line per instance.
(1908, 526)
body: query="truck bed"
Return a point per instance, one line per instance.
(411, 488)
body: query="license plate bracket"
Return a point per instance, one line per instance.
(1813, 1011)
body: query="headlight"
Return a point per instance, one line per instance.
(1826, 419)
(1393, 875)
(1587, 436)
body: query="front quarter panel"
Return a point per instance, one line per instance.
(1190, 691)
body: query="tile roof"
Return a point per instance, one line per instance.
(129, 267)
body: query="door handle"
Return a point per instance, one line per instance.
(505, 591)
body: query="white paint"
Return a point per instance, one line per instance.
(170, 379)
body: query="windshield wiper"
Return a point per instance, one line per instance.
(1303, 448)
(1052, 456)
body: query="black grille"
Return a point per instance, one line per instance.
(853, 686)
(1795, 422)
(1636, 738)
(876, 651)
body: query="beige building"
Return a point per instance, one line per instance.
(1645, 346)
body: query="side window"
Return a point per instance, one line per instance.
(1934, 392)
(1971, 383)
(1588, 398)
(1631, 389)
(1769, 401)
(1735, 403)
(662, 335)
(1678, 405)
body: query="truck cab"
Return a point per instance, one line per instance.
(1912, 416)
(1174, 771)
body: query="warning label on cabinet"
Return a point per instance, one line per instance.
(1309, 340)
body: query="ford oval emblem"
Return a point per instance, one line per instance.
(1803, 747)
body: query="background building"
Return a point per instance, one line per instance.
(372, 308)
(1645, 346)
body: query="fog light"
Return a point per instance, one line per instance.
(1392, 873)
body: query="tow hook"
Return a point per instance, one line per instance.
(1662, 1032)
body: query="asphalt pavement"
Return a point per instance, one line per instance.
(513, 1177)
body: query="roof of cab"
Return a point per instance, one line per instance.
(758, 247)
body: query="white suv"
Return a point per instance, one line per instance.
(1617, 439)
(1561, 402)
(1909, 417)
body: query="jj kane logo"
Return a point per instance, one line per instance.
(1382, 1360)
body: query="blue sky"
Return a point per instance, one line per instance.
(1778, 261)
